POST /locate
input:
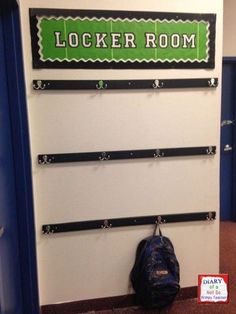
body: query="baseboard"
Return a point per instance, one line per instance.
(106, 303)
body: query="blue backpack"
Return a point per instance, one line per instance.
(155, 274)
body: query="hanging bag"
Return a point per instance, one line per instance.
(155, 274)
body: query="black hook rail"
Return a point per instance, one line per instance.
(45, 159)
(123, 84)
(125, 222)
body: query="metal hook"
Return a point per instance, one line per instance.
(39, 85)
(210, 216)
(210, 151)
(48, 230)
(101, 85)
(45, 160)
(158, 84)
(159, 220)
(212, 82)
(158, 153)
(104, 156)
(106, 224)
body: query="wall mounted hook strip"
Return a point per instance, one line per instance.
(128, 221)
(45, 159)
(123, 84)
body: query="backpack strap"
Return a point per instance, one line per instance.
(157, 225)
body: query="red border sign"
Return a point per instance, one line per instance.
(213, 288)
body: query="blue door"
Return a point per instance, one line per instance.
(227, 166)
(10, 282)
(18, 273)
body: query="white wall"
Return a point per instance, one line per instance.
(93, 264)
(229, 42)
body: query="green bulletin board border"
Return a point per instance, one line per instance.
(57, 13)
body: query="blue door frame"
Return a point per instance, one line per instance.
(228, 140)
(21, 155)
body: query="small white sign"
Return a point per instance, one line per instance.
(213, 288)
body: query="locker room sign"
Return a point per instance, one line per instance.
(120, 39)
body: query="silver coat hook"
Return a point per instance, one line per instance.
(158, 154)
(157, 84)
(106, 224)
(48, 230)
(159, 220)
(101, 85)
(104, 156)
(210, 151)
(212, 82)
(39, 85)
(210, 216)
(45, 160)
